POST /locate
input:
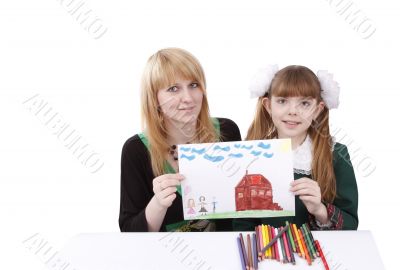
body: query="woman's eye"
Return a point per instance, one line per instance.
(305, 103)
(172, 89)
(194, 85)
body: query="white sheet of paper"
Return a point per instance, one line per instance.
(237, 179)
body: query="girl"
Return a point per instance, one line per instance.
(294, 103)
(174, 111)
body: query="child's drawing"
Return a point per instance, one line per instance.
(245, 179)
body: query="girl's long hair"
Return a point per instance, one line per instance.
(293, 81)
(161, 71)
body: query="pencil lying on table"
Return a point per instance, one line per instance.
(321, 254)
(246, 263)
(255, 252)
(241, 254)
(303, 243)
(249, 252)
(284, 229)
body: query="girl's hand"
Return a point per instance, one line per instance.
(309, 193)
(164, 187)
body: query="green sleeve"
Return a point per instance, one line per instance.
(346, 187)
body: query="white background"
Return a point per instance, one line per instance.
(93, 84)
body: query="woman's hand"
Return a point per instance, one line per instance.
(164, 187)
(309, 193)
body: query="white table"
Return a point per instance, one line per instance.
(344, 250)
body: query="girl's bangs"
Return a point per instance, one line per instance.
(296, 83)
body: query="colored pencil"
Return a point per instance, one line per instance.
(308, 239)
(291, 237)
(312, 238)
(260, 236)
(258, 248)
(286, 244)
(275, 238)
(277, 246)
(264, 241)
(271, 232)
(255, 253)
(321, 254)
(295, 239)
(244, 250)
(309, 249)
(307, 256)
(241, 254)
(303, 242)
(296, 243)
(284, 256)
(302, 254)
(292, 254)
(268, 238)
(249, 252)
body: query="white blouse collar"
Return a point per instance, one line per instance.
(302, 156)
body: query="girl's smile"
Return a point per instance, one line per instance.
(291, 124)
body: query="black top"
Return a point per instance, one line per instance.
(137, 184)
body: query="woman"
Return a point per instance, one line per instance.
(174, 111)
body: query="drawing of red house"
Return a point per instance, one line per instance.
(254, 192)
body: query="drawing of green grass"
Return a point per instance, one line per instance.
(247, 213)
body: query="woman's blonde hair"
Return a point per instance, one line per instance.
(300, 81)
(161, 71)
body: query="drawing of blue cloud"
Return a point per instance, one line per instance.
(236, 155)
(247, 147)
(198, 151)
(190, 158)
(185, 149)
(268, 155)
(213, 158)
(255, 153)
(227, 148)
(237, 145)
(264, 146)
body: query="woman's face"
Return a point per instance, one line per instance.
(181, 102)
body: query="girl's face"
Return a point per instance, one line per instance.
(292, 116)
(181, 102)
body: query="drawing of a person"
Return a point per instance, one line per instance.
(203, 210)
(191, 206)
(214, 203)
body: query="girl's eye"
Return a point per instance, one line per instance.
(281, 100)
(172, 89)
(194, 85)
(305, 103)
